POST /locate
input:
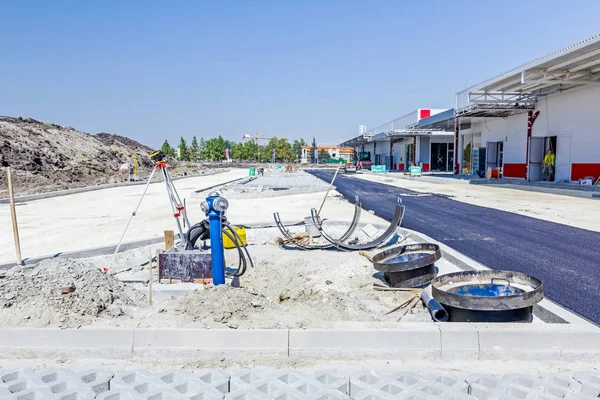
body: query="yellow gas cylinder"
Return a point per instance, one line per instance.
(229, 244)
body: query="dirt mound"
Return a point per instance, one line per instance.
(48, 157)
(62, 293)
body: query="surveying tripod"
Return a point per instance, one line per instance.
(177, 206)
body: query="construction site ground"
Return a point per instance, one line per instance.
(296, 309)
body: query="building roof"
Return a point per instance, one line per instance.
(517, 90)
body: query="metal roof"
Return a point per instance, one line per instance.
(517, 90)
(441, 121)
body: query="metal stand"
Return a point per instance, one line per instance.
(176, 205)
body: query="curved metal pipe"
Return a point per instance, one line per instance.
(396, 221)
(286, 233)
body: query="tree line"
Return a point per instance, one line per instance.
(214, 149)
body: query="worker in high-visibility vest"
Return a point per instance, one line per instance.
(548, 166)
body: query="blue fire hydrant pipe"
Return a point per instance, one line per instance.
(216, 243)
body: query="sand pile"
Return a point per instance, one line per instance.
(291, 289)
(61, 293)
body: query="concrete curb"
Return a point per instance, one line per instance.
(40, 196)
(410, 340)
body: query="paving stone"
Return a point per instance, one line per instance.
(56, 374)
(244, 378)
(206, 393)
(452, 395)
(175, 376)
(120, 394)
(371, 394)
(363, 380)
(590, 382)
(17, 375)
(267, 386)
(97, 379)
(40, 393)
(407, 379)
(216, 378)
(331, 394)
(245, 394)
(451, 382)
(332, 381)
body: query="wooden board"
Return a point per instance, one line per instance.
(185, 266)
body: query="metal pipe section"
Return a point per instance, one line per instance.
(436, 310)
(287, 234)
(396, 222)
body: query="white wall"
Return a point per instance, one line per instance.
(576, 113)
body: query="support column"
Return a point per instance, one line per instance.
(392, 155)
(456, 134)
(531, 117)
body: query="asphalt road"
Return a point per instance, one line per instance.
(567, 259)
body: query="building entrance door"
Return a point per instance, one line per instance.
(439, 156)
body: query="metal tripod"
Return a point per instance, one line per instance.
(177, 206)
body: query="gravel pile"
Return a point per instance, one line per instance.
(61, 293)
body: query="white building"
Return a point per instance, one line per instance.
(509, 122)
(362, 129)
(399, 143)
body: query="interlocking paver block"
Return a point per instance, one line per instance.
(308, 387)
(267, 386)
(206, 393)
(245, 394)
(431, 388)
(452, 395)
(451, 382)
(371, 394)
(590, 382)
(389, 386)
(565, 382)
(245, 378)
(175, 376)
(120, 394)
(332, 381)
(216, 378)
(39, 393)
(363, 380)
(289, 394)
(97, 379)
(412, 395)
(17, 375)
(407, 379)
(331, 394)
(56, 374)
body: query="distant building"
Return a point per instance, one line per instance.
(345, 153)
(362, 130)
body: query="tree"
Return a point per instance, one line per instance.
(297, 148)
(202, 149)
(194, 149)
(183, 150)
(324, 156)
(167, 149)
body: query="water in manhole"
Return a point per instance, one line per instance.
(488, 296)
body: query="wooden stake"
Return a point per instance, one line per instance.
(365, 255)
(150, 279)
(328, 189)
(158, 265)
(409, 307)
(169, 239)
(13, 214)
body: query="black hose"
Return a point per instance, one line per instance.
(242, 259)
(240, 241)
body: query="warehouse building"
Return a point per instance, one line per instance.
(509, 122)
(399, 144)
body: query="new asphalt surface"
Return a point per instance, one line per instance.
(567, 259)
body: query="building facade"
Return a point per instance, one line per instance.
(507, 123)
(336, 152)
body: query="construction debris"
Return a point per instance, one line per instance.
(62, 293)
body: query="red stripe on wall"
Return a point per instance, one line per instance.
(425, 167)
(515, 171)
(581, 170)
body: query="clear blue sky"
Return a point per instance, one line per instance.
(152, 70)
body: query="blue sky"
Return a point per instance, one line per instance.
(152, 70)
